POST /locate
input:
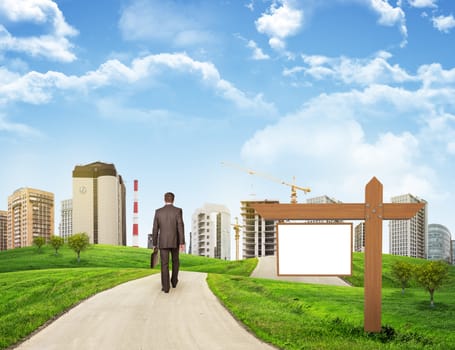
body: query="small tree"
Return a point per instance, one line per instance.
(78, 242)
(402, 272)
(56, 242)
(39, 242)
(431, 275)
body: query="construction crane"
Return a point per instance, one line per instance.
(293, 186)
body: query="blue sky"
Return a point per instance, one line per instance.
(331, 92)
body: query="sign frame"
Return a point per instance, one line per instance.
(291, 235)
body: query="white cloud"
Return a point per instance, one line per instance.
(280, 22)
(53, 45)
(250, 5)
(258, 54)
(434, 74)
(444, 23)
(333, 142)
(16, 128)
(352, 71)
(35, 87)
(422, 3)
(169, 21)
(391, 16)
(112, 108)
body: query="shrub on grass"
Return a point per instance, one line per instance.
(78, 242)
(39, 242)
(431, 275)
(402, 271)
(56, 242)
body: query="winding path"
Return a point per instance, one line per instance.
(137, 315)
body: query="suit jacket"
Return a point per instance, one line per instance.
(168, 228)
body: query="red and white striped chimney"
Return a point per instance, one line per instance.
(135, 216)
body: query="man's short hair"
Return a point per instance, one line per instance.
(169, 197)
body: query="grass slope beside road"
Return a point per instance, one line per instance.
(303, 316)
(29, 299)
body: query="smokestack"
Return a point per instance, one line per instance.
(135, 216)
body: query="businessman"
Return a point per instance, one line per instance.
(169, 236)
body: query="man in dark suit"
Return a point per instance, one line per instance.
(169, 236)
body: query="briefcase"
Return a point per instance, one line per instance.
(154, 258)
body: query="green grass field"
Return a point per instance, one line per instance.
(38, 286)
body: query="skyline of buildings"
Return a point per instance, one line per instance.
(99, 194)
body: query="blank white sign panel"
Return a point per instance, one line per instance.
(314, 249)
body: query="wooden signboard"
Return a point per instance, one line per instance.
(373, 211)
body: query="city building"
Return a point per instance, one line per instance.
(99, 203)
(259, 235)
(30, 215)
(3, 226)
(439, 243)
(409, 237)
(211, 227)
(359, 237)
(322, 200)
(66, 219)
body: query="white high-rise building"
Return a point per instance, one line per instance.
(359, 237)
(211, 227)
(409, 237)
(99, 203)
(439, 243)
(322, 200)
(66, 218)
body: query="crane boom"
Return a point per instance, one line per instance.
(293, 186)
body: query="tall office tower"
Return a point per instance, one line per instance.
(3, 226)
(211, 227)
(409, 237)
(439, 243)
(259, 235)
(30, 215)
(66, 219)
(99, 203)
(359, 237)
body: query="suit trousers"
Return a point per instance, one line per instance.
(164, 253)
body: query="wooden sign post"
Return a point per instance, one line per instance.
(373, 211)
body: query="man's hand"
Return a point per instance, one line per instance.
(182, 248)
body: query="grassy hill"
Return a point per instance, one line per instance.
(30, 258)
(38, 286)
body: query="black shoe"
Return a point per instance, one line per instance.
(174, 284)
